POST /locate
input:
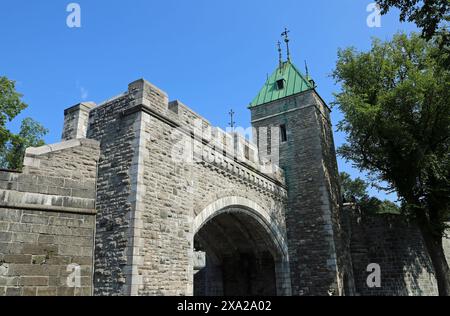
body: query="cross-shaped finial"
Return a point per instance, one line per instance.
(232, 122)
(285, 34)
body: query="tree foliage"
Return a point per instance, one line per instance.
(352, 190)
(356, 191)
(395, 100)
(432, 16)
(13, 146)
(396, 105)
(30, 135)
(10, 106)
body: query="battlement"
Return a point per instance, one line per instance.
(144, 96)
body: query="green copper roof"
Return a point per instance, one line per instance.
(294, 82)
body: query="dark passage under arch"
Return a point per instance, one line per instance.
(240, 257)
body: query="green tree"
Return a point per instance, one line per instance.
(432, 16)
(10, 106)
(396, 105)
(13, 146)
(356, 191)
(30, 135)
(353, 190)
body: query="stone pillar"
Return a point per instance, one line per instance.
(76, 120)
(142, 92)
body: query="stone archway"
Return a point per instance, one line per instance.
(239, 251)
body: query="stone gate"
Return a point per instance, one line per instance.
(178, 197)
(145, 197)
(184, 208)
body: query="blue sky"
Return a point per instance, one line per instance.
(211, 55)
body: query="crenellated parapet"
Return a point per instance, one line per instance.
(229, 151)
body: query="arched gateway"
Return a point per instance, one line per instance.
(186, 198)
(239, 251)
(184, 208)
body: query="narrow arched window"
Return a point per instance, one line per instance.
(283, 133)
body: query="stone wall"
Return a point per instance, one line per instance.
(47, 221)
(446, 246)
(149, 194)
(116, 136)
(177, 192)
(399, 249)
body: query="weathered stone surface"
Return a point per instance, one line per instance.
(43, 242)
(397, 247)
(309, 161)
(180, 207)
(76, 121)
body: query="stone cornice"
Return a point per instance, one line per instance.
(205, 142)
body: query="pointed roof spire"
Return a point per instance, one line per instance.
(285, 81)
(294, 83)
(306, 70)
(280, 56)
(285, 34)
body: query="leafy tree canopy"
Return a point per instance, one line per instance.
(396, 105)
(353, 190)
(10, 106)
(13, 146)
(395, 101)
(432, 16)
(356, 191)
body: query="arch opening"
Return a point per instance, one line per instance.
(238, 254)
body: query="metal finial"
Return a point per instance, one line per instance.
(285, 34)
(280, 56)
(306, 69)
(232, 122)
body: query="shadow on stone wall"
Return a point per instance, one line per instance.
(397, 246)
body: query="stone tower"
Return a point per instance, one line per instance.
(293, 130)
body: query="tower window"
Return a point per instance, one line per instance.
(280, 84)
(283, 133)
(257, 138)
(269, 140)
